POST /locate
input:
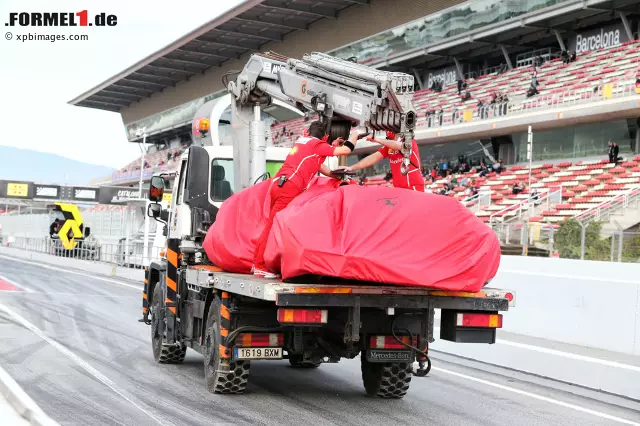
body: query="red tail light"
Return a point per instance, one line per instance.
(302, 316)
(248, 340)
(389, 342)
(479, 320)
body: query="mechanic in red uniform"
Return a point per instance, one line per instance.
(301, 165)
(391, 150)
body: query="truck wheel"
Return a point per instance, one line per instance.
(296, 362)
(222, 376)
(386, 380)
(163, 353)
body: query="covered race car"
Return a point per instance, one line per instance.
(374, 234)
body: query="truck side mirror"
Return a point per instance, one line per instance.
(154, 210)
(156, 189)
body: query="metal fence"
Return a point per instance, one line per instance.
(534, 104)
(604, 210)
(581, 241)
(573, 241)
(127, 254)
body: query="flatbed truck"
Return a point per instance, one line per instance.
(236, 319)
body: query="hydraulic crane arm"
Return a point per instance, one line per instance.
(338, 91)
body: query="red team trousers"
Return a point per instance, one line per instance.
(280, 199)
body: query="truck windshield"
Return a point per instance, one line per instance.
(221, 179)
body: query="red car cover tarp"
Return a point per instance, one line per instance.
(231, 241)
(377, 234)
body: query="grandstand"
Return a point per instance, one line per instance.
(584, 79)
(163, 160)
(582, 187)
(579, 107)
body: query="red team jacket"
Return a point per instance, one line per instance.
(413, 180)
(304, 161)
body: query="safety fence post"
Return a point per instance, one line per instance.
(620, 241)
(613, 239)
(583, 239)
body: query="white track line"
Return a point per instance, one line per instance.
(563, 354)
(15, 284)
(73, 357)
(570, 355)
(539, 397)
(56, 268)
(22, 403)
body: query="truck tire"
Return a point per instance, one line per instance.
(296, 362)
(229, 377)
(163, 353)
(386, 380)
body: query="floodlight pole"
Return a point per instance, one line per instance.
(530, 158)
(142, 148)
(145, 240)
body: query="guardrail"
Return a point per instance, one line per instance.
(544, 55)
(476, 202)
(604, 210)
(472, 199)
(548, 101)
(498, 69)
(121, 254)
(512, 211)
(546, 197)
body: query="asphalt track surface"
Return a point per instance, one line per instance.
(72, 341)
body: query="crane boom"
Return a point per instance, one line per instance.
(339, 91)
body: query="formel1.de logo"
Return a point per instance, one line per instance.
(61, 19)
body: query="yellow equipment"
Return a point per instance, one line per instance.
(71, 229)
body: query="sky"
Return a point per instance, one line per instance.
(39, 78)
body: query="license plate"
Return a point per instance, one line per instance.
(380, 355)
(257, 353)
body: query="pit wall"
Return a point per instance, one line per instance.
(587, 303)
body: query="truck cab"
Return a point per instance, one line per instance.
(204, 180)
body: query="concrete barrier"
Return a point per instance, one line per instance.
(88, 266)
(586, 303)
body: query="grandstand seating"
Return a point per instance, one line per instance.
(295, 126)
(156, 161)
(585, 185)
(556, 82)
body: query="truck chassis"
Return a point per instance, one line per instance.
(233, 319)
